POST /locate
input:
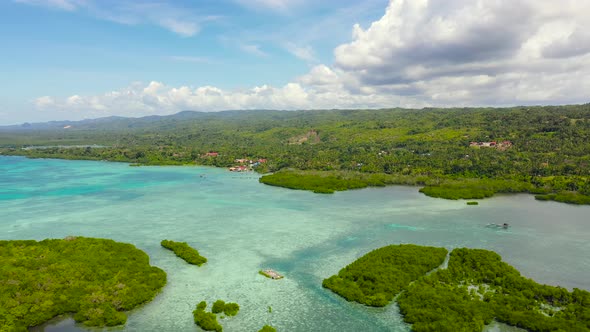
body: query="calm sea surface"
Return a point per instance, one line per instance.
(242, 226)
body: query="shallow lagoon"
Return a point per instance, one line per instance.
(242, 226)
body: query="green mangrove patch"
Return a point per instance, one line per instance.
(477, 287)
(475, 188)
(184, 251)
(208, 320)
(378, 276)
(318, 183)
(327, 182)
(95, 279)
(566, 197)
(229, 309)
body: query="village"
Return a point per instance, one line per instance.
(246, 165)
(243, 165)
(501, 145)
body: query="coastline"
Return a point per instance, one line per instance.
(436, 187)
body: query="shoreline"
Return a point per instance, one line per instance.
(460, 190)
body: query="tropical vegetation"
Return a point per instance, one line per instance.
(454, 153)
(477, 287)
(229, 309)
(377, 277)
(96, 280)
(208, 320)
(184, 251)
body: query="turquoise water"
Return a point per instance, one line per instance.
(242, 226)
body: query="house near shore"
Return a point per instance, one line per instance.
(240, 168)
(250, 161)
(211, 154)
(246, 164)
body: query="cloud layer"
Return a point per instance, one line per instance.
(157, 98)
(474, 52)
(420, 53)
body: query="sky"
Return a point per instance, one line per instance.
(78, 59)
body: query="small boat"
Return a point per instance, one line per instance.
(494, 225)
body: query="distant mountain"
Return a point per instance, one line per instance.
(118, 122)
(110, 122)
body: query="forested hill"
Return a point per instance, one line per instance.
(109, 123)
(546, 147)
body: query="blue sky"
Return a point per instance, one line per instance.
(75, 59)
(60, 48)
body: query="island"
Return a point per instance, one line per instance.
(375, 278)
(184, 251)
(96, 280)
(208, 320)
(328, 182)
(475, 289)
(229, 309)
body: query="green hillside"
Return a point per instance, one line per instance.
(457, 153)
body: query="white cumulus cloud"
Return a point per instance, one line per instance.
(440, 51)
(420, 53)
(158, 98)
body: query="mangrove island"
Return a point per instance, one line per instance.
(475, 289)
(95, 279)
(184, 251)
